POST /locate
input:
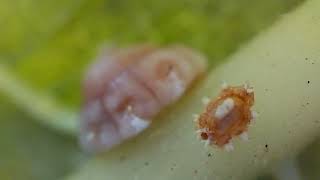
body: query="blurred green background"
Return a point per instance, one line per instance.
(47, 44)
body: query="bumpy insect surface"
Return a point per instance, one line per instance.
(126, 88)
(226, 116)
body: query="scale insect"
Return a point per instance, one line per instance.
(126, 88)
(226, 116)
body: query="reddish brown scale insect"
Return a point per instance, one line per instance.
(127, 88)
(226, 116)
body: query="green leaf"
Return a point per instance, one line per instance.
(56, 65)
(26, 24)
(309, 161)
(29, 151)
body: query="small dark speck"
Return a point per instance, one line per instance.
(196, 171)
(306, 59)
(146, 163)
(209, 155)
(172, 169)
(308, 82)
(267, 147)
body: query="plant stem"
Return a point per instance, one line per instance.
(45, 109)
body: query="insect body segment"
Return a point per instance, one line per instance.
(227, 116)
(127, 88)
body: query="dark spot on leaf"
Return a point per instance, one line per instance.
(209, 155)
(146, 163)
(267, 147)
(174, 165)
(308, 82)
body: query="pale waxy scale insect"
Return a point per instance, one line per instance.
(126, 88)
(226, 116)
